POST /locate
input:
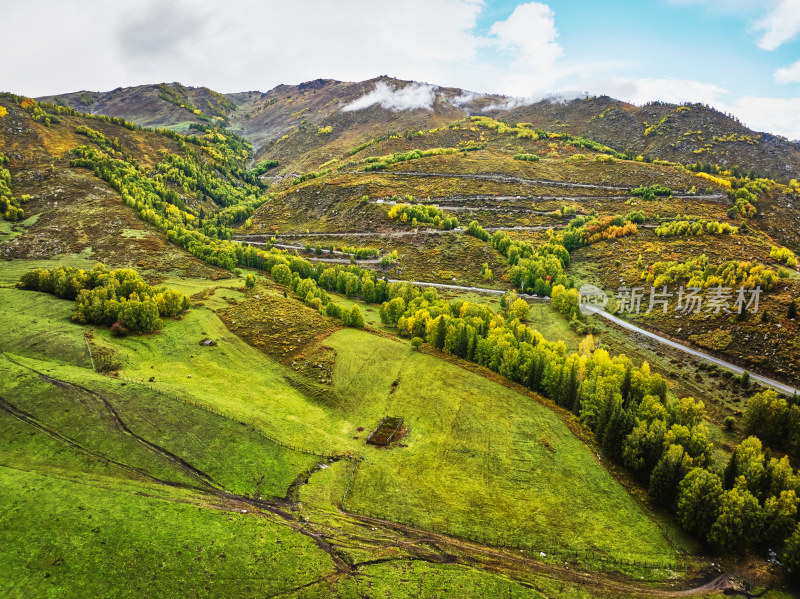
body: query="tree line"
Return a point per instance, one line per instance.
(663, 440)
(538, 269)
(700, 272)
(10, 206)
(117, 298)
(698, 227)
(416, 214)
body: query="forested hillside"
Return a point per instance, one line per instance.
(300, 343)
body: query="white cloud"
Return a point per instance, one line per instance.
(528, 36)
(790, 74)
(414, 95)
(243, 45)
(780, 25)
(516, 102)
(773, 115)
(643, 90)
(236, 45)
(776, 21)
(466, 97)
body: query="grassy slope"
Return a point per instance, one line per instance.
(199, 396)
(95, 537)
(90, 519)
(481, 460)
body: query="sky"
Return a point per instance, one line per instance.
(740, 56)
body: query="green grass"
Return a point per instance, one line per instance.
(38, 325)
(500, 464)
(407, 578)
(135, 233)
(236, 455)
(12, 270)
(98, 537)
(482, 461)
(553, 325)
(9, 230)
(230, 378)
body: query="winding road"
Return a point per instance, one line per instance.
(782, 387)
(689, 351)
(500, 178)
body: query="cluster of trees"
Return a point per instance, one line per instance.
(180, 97)
(635, 216)
(39, 107)
(476, 230)
(219, 222)
(263, 166)
(724, 183)
(417, 214)
(198, 179)
(575, 158)
(324, 130)
(699, 272)
(744, 194)
(715, 169)
(349, 280)
(222, 145)
(743, 204)
(521, 130)
(119, 298)
(311, 282)
(753, 503)
(651, 192)
(154, 197)
(364, 146)
(375, 163)
(698, 227)
(10, 206)
(360, 253)
(605, 227)
(535, 270)
(312, 175)
(566, 301)
(587, 229)
(38, 113)
(774, 420)
(524, 131)
(662, 439)
(108, 144)
(783, 255)
(528, 157)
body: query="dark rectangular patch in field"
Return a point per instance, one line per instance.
(387, 431)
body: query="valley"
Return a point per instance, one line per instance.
(547, 449)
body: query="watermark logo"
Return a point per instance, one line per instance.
(689, 300)
(684, 300)
(592, 299)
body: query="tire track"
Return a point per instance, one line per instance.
(118, 423)
(281, 507)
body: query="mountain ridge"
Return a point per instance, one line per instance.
(355, 111)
